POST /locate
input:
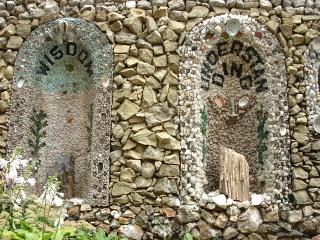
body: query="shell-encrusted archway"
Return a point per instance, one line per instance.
(233, 92)
(61, 106)
(312, 80)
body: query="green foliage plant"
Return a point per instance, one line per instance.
(187, 236)
(39, 122)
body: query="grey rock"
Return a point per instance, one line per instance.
(207, 232)
(179, 16)
(134, 164)
(207, 216)
(165, 186)
(315, 145)
(217, 3)
(299, 3)
(294, 216)
(255, 236)
(152, 153)
(198, 12)
(125, 38)
(221, 220)
(188, 213)
(143, 4)
(168, 171)
(160, 61)
(145, 137)
(114, 16)
(176, 5)
(154, 37)
(148, 169)
(314, 182)
(301, 138)
(157, 114)
(127, 175)
(167, 142)
(145, 69)
(149, 97)
(298, 184)
(302, 197)
(127, 109)
(298, 172)
(250, 220)
(142, 182)
(230, 233)
(143, 44)
(159, 3)
(265, 228)
(121, 188)
(134, 232)
(134, 24)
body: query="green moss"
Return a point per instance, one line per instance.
(262, 133)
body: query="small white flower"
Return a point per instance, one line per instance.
(61, 218)
(3, 163)
(21, 180)
(23, 163)
(17, 207)
(12, 175)
(18, 201)
(23, 195)
(57, 202)
(31, 181)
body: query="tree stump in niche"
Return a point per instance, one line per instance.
(234, 174)
(66, 171)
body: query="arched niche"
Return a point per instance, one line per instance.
(312, 81)
(60, 114)
(233, 92)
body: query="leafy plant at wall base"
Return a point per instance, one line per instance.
(39, 122)
(204, 128)
(187, 236)
(262, 134)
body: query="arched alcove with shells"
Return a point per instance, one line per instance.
(60, 112)
(312, 80)
(233, 93)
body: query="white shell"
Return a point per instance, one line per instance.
(243, 102)
(232, 27)
(316, 124)
(105, 81)
(312, 94)
(315, 44)
(20, 83)
(283, 131)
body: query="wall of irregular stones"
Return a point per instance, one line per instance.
(145, 143)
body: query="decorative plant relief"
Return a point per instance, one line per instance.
(39, 122)
(262, 133)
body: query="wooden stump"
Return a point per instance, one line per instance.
(234, 174)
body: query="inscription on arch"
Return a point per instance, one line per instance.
(247, 56)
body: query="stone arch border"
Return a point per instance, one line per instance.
(193, 52)
(24, 90)
(312, 80)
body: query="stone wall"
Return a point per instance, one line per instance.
(146, 139)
